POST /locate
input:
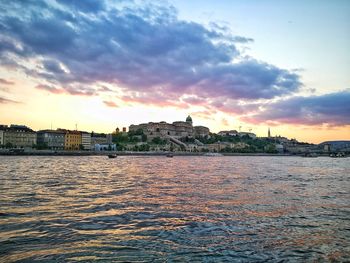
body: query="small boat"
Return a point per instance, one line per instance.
(170, 155)
(112, 156)
(337, 155)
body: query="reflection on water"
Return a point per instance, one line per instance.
(211, 209)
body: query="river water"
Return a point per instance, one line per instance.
(181, 209)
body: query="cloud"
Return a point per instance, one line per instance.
(68, 90)
(145, 50)
(86, 6)
(110, 104)
(6, 82)
(53, 66)
(50, 89)
(330, 109)
(7, 101)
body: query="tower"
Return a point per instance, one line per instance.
(269, 133)
(189, 119)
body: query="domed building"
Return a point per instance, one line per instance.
(189, 119)
(177, 129)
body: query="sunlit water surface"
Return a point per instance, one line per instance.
(181, 209)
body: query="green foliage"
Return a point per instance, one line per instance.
(137, 132)
(134, 139)
(270, 149)
(120, 138)
(141, 148)
(144, 138)
(158, 140)
(187, 139)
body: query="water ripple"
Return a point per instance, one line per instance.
(183, 209)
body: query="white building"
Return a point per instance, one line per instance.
(228, 133)
(250, 134)
(105, 147)
(86, 140)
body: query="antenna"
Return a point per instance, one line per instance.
(76, 126)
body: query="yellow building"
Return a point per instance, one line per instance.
(72, 140)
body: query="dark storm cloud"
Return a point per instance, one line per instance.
(138, 48)
(331, 109)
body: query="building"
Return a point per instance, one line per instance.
(228, 133)
(176, 129)
(98, 138)
(19, 136)
(72, 140)
(105, 147)
(86, 141)
(201, 131)
(53, 139)
(250, 134)
(1, 137)
(269, 133)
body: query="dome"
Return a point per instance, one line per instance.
(189, 119)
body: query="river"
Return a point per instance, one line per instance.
(181, 209)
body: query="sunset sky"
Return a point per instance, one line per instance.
(229, 64)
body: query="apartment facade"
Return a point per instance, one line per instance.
(18, 136)
(72, 140)
(53, 139)
(86, 140)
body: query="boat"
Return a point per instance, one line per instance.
(337, 155)
(170, 155)
(112, 156)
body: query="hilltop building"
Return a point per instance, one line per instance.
(228, 133)
(176, 129)
(53, 139)
(250, 134)
(19, 136)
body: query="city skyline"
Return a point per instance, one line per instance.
(109, 64)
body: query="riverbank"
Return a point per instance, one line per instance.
(125, 153)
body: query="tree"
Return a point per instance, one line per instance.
(144, 138)
(158, 140)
